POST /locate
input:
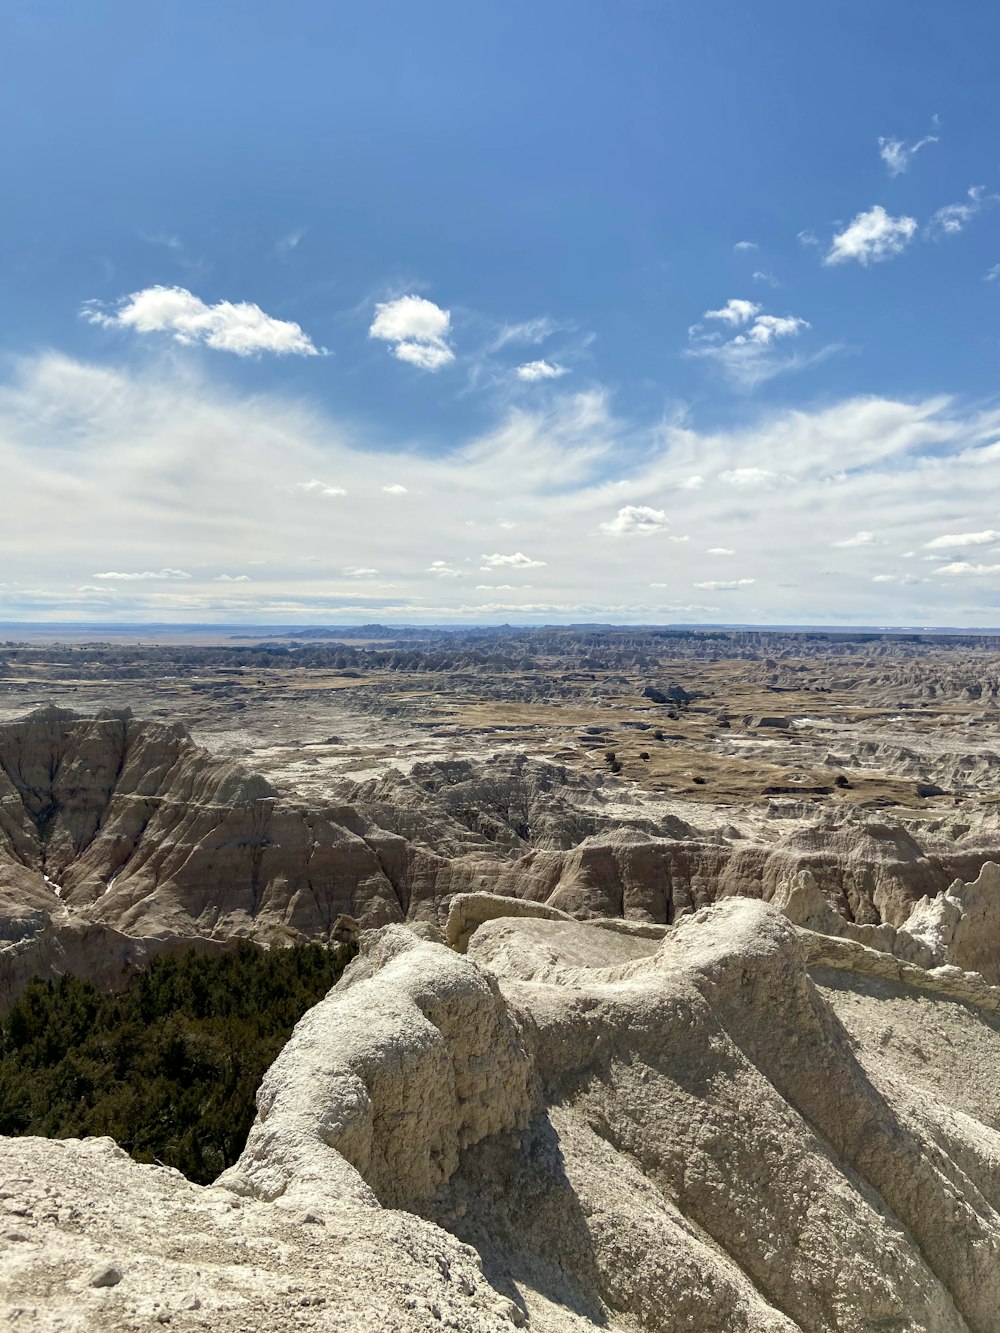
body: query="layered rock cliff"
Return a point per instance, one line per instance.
(120, 839)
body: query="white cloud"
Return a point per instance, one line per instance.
(953, 539)
(724, 585)
(229, 326)
(735, 312)
(533, 371)
(807, 237)
(759, 275)
(395, 489)
(694, 483)
(992, 274)
(425, 356)
(750, 355)
(898, 155)
(518, 560)
(746, 245)
(315, 487)
(859, 539)
(951, 219)
(112, 465)
(530, 331)
(883, 578)
(871, 238)
(233, 578)
(748, 476)
(720, 550)
(634, 520)
(963, 567)
(358, 572)
(146, 574)
(417, 329)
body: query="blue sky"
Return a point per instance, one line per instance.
(500, 312)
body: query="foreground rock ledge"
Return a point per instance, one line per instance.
(568, 1127)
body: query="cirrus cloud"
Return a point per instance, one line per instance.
(114, 576)
(316, 487)
(898, 155)
(952, 539)
(533, 371)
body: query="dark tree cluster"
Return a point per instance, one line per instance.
(169, 1067)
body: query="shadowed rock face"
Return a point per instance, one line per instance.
(118, 837)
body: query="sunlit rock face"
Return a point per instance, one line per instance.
(121, 838)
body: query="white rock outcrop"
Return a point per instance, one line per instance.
(957, 929)
(744, 1125)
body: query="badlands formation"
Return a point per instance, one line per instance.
(622, 1049)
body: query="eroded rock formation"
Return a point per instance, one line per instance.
(119, 839)
(739, 1125)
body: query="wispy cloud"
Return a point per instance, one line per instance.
(953, 218)
(744, 477)
(316, 487)
(228, 326)
(112, 465)
(395, 489)
(859, 539)
(533, 371)
(530, 331)
(417, 330)
(724, 585)
(871, 238)
(960, 568)
(749, 356)
(898, 155)
(146, 575)
(284, 245)
(951, 540)
(746, 245)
